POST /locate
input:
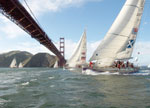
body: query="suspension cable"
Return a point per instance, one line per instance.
(32, 12)
(35, 17)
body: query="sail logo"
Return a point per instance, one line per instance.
(131, 43)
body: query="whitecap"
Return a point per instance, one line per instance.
(91, 72)
(51, 77)
(33, 79)
(52, 86)
(2, 101)
(24, 84)
(142, 73)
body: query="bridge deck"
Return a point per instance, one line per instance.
(14, 10)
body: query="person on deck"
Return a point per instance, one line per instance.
(91, 64)
(127, 64)
(119, 66)
(132, 66)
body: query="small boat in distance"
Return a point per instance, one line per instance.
(148, 66)
(115, 50)
(78, 58)
(20, 65)
(56, 64)
(13, 63)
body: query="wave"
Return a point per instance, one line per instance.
(2, 101)
(24, 84)
(142, 73)
(33, 80)
(52, 86)
(91, 72)
(51, 78)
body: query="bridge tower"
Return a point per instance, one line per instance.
(62, 48)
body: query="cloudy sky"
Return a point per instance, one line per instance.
(69, 18)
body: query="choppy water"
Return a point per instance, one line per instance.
(58, 88)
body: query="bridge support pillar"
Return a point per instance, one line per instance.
(62, 46)
(62, 51)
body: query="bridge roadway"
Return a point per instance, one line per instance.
(15, 11)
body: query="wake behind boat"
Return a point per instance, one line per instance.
(117, 45)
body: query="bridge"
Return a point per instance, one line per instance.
(15, 11)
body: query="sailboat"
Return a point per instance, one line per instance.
(13, 63)
(148, 66)
(20, 65)
(78, 58)
(117, 46)
(56, 64)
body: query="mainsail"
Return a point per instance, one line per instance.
(13, 63)
(119, 41)
(79, 56)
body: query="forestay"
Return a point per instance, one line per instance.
(119, 41)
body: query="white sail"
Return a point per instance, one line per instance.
(148, 66)
(13, 63)
(118, 42)
(20, 65)
(126, 54)
(56, 64)
(79, 55)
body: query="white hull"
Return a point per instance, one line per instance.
(114, 70)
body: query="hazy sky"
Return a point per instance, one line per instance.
(69, 18)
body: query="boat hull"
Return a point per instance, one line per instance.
(113, 70)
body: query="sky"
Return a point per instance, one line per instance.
(69, 18)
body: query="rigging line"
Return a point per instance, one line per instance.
(35, 16)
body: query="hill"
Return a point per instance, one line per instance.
(6, 58)
(41, 60)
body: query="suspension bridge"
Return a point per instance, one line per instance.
(16, 12)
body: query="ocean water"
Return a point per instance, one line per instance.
(58, 88)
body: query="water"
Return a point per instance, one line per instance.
(58, 88)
